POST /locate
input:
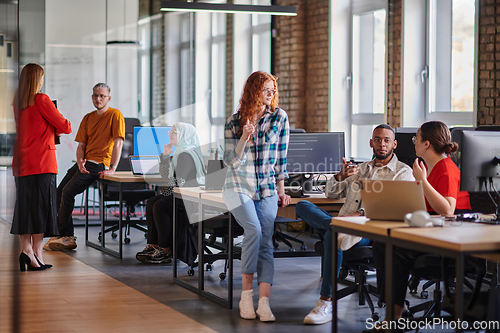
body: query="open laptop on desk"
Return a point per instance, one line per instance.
(391, 199)
(145, 165)
(216, 176)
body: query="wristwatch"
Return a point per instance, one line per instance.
(111, 166)
(361, 211)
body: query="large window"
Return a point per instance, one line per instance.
(368, 74)
(439, 61)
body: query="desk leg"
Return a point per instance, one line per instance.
(103, 214)
(389, 277)
(87, 215)
(201, 252)
(230, 263)
(459, 291)
(120, 220)
(174, 235)
(334, 280)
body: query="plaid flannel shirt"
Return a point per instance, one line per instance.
(264, 158)
(394, 170)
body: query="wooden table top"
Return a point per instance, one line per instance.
(466, 237)
(128, 177)
(362, 223)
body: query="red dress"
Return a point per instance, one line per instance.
(445, 178)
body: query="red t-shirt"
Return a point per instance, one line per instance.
(445, 178)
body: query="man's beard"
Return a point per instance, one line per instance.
(382, 157)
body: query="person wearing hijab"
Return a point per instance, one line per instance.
(185, 169)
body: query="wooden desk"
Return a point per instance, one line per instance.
(454, 241)
(214, 199)
(118, 178)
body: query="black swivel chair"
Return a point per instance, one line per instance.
(132, 194)
(286, 239)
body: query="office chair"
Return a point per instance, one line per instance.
(437, 269)
(218, 227)
(279, 236)
(356, 261)
(132, 194)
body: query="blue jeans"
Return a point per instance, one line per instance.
(320, 220)
(257, 220)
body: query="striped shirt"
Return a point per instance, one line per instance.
(264, 158)
(394, 170)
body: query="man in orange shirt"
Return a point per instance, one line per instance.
(100, 139)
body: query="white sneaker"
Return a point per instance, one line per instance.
(321, 314)
(247, 310)
(348, 241)
(46, 246)
(264, 311)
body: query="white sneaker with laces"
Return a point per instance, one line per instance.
(247, 311)
(264, 311)
(321, 314)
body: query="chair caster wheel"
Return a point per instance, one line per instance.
(114, 235)
(145, 235)
(99, 238)
(209, 267)
(424, 294)
(303, 248)
(381, 304)
(375, 316)
(413, 291)
(191, 272)
(291, 250)
(126, 240)
(222, 276)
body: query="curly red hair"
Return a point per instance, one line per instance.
(251, 98)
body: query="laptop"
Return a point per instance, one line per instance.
(391, 199)
(216, 176)
(145, 165)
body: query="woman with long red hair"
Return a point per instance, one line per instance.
(35, 166)
(256, 143)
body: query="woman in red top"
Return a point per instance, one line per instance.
(35, 166)
(441, 178)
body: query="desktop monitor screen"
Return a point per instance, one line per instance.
(318, 153)
(480, 159)
(405, 150)
(149, 141)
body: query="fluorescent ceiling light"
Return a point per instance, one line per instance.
(176, 6)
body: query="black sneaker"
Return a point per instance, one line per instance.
(142, 256)
(159, 257)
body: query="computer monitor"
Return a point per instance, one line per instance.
(405, 150)
(480, 160)
(315, 153)
(149, 141)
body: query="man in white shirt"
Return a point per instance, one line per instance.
(384, 166)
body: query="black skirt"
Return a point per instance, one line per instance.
(35, 211)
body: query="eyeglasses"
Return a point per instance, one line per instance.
(379, 141)
(270, 91)
(172, 132)
(414, 140)
(95, 96)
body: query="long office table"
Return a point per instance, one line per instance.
(454, 241)
(119, 178)
(214, 199)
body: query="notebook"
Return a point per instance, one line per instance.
(391, 199)
(145, 165)
(216, 176)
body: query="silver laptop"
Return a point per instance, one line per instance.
(145, 165)
(391, 199)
